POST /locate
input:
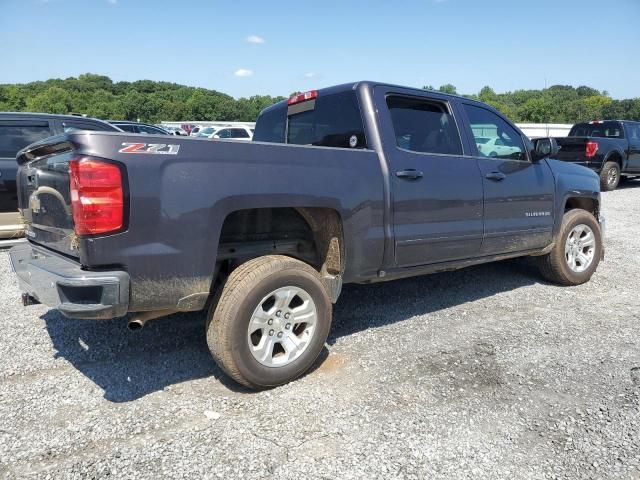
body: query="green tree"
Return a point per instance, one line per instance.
(52, 100)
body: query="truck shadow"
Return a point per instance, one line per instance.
(172, 350)
(629, 183)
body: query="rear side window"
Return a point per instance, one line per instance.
(239, 133)
(14, 138)
(71, 126)
(151, 130)
(424, 126)
(127, 127)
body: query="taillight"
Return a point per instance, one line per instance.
(591, 149)
(97, 197)
(303, 97)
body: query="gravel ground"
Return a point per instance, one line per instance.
(482, 373)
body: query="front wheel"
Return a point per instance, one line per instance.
(577, 252)
(270, 323)
(609, 176)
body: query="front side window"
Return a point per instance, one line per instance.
(14, 138)
(507, 142)
(424, 126)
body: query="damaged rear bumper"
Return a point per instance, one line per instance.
(61, 283)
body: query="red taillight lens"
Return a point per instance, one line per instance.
(303, 97)
(97, 198)
(591, 149)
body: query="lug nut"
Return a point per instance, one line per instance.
(271, 333)
(287, 315)
(270, 322)
(287, 326)
(278, 313)
(279, 334)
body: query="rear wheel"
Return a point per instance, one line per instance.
(609, 176)
(270, 323)
(577, 252)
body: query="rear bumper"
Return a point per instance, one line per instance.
(61, 283)
(11, 225)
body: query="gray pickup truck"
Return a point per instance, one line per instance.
(362, 183)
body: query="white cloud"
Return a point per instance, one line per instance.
(243, 72)
(310, 75)
(255, 39)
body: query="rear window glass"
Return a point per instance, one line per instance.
(335, 121)
(14, 138)
(605, 129)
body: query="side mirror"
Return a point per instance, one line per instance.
(544, 148)
(216, 136)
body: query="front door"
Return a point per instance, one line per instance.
(518, 194)
(436, 189)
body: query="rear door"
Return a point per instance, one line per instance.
(633, 134)
(436, 188)
(518, 194)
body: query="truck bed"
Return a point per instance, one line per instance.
(179, 194)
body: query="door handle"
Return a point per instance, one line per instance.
(409, 174)
(497, 176)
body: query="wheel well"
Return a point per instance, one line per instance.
(313, 235)
(614, 157)
(588, 204)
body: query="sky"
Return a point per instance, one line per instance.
(246, 47)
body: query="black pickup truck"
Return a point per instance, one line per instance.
(610, 147)
(362, 182)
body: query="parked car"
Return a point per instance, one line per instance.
(174, 130)
(265, 233)
(136, 127)
(205, 132)
(233, 133)
(195, 130)
(610, 147)
(496, 147)
(18, 130)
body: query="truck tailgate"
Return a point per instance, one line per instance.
(572, 149)
(44, 199)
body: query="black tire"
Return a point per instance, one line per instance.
(228, 320)
(609, 176)
(554, 266)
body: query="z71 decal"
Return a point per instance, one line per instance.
(153, 148)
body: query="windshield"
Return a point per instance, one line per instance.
(207, 131)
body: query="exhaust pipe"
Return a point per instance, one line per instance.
(29, 300)
(141, 318)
